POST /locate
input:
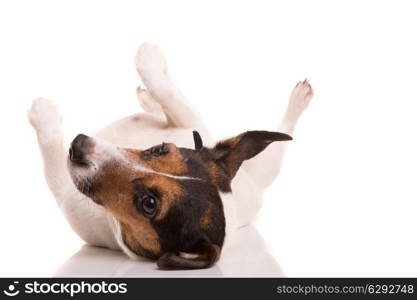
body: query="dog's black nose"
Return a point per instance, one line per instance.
(78, 149)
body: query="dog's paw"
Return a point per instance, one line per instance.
(45, 118)
(300, 98)
(146, 101)
(150, 62)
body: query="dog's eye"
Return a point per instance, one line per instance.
(147, 204)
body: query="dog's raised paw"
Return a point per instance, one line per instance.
(150, 62)
(300, 97)
(44, 117)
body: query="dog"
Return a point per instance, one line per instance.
(154, 184)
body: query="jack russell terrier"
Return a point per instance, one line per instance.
(174, 202)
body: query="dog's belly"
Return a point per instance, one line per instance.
(143, 130)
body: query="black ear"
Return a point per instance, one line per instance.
(231, 153)
(198, 142)
(204, 255)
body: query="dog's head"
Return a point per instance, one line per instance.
(166, 199)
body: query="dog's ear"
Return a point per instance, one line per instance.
(232, 152)
(198, 142)
(203, 255)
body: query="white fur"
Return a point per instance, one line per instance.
(171, 119)
(118, 235)
(104, 152)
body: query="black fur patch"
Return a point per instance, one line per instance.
(138, 250)
(198, 165)
(181, 229)
(231, 153)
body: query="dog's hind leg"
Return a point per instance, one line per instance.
(152, 68)
(265, 167)
(87, 219)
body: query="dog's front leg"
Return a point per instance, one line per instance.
(45, 119)
(265, 167)
(152, 68)
(88, 220)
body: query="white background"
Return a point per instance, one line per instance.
(345, 201)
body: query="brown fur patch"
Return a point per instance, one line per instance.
(170, 163)
(207, 216)
(116, 193)
(218, 250)
(214, 172)
(218, 177)
(231, 160)
(170, 188)
(138, 234)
